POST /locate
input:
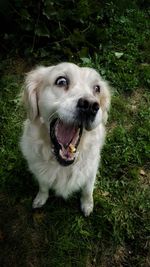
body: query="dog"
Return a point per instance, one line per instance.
(67, 109)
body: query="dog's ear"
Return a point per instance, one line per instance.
(33, 82)
(105, 100)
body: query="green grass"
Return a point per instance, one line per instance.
(117, 233)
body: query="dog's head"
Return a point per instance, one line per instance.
(69, 99)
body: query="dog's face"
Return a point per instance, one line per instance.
(69, 99)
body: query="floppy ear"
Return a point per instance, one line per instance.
(105, 100)
(33, 82)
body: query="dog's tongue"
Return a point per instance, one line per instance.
(65, 132)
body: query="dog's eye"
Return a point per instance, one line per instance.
(97, 89)
(62, 81)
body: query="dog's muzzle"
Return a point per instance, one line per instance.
(66, 137)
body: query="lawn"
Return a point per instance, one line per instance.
(117, 234)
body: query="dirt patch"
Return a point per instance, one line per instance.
(136, 99)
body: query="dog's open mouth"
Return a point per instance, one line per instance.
(65, 139)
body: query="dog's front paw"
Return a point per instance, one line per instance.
(87, 207)
(40, 200)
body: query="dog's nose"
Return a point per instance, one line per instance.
(87, 106)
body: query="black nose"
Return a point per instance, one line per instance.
(87, 106)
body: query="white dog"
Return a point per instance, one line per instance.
(67, 109)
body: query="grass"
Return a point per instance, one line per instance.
(117, 233)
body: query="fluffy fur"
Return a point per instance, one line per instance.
(45, 99)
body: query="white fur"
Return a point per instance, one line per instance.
(44, 100)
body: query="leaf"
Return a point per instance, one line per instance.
(48, 13)
(105, 194)
(42, 30)
(118, 54)
(25, 14)
(86, 60)
(38, 217)
(142, 172)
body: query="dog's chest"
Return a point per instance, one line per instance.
(66, 180)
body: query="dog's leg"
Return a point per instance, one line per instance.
(42, 196)
(87, 203)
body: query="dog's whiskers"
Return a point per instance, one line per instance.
(52, 115)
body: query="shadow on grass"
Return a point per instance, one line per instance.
(56, 235)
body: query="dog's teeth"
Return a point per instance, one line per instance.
(72, 149)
